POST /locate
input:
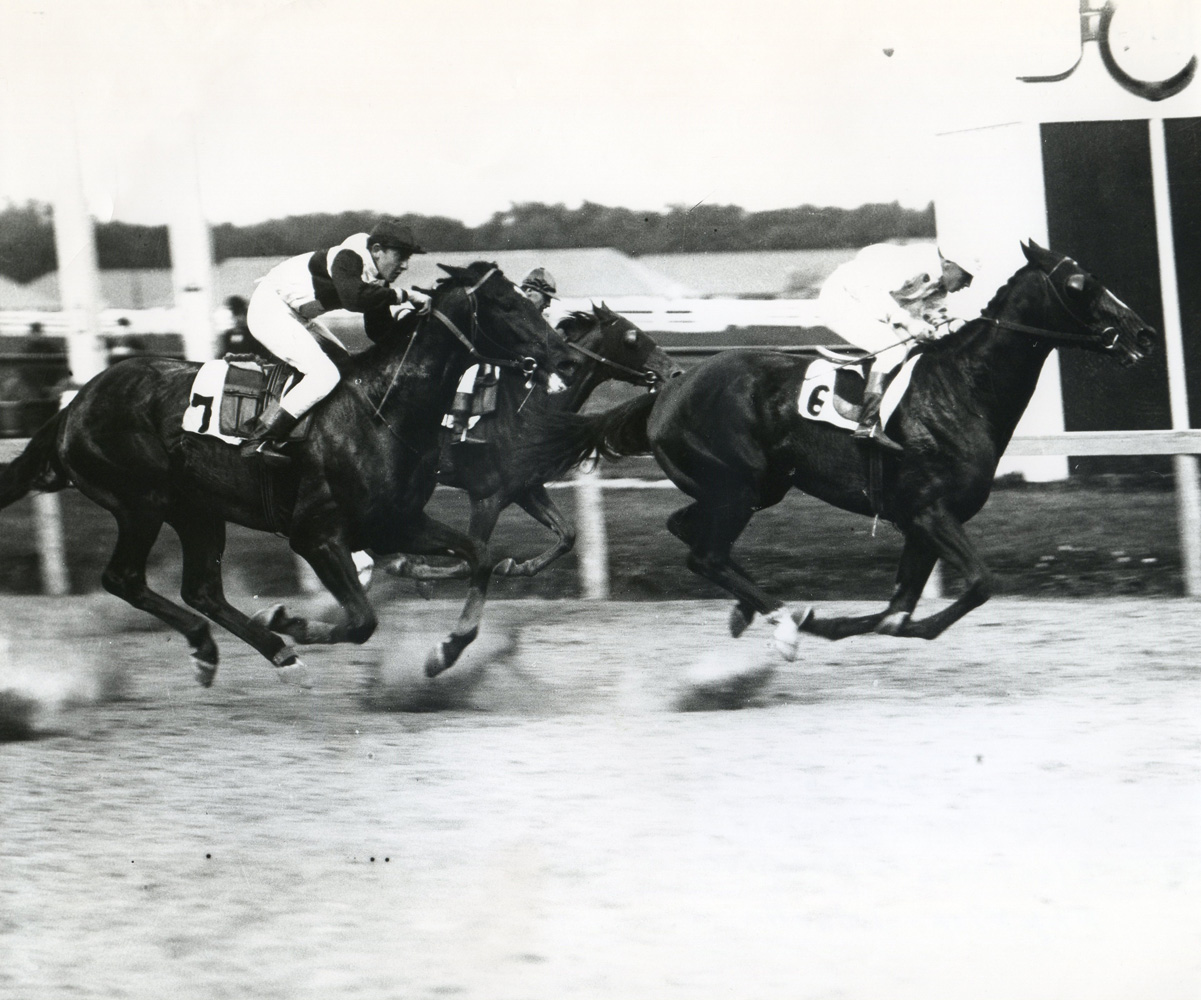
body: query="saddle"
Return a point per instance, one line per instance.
(832, 389)
(230, 392)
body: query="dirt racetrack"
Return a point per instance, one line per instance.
(1012, 811)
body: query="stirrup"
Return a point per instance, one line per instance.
(876, 434)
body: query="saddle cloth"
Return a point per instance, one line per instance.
(832, 393)
(226, 395)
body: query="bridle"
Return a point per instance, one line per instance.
(645, 375)
(526, 365)
(1066, 337)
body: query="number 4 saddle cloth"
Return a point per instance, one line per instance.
(832, 390)
(228, 393)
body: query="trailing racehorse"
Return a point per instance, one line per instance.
(730, 434)
(360, 480)
(608, 346)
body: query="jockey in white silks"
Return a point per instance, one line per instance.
(539, 287)
(282, 316)
(886, 299)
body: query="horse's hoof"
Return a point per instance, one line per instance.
(295, 673)
(271, 618)
(365, 567)
(893, 624)
(205, 671)
(397, 567)
(739, 620)
(436, 662)
(785, 638)
(803, 618)
(506, 567)
(424, 588)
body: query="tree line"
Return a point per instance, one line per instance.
(27, 232)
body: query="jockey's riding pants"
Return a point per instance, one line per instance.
(288, 336)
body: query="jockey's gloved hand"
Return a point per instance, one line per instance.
(412, 295)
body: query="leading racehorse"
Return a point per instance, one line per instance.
(360, 480)
(730, 434)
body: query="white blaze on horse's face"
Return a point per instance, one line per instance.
(554, 384)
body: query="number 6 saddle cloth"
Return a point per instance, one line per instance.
(832, 390)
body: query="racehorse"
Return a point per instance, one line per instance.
(359, 480)
(607, 346)
(730, 434)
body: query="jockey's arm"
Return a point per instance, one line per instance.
(346, 273)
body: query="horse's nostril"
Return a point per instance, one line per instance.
(677, 373)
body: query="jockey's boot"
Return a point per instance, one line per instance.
(460, 417)
(869, 428)
(267, 433)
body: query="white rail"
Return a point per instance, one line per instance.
(593, 547)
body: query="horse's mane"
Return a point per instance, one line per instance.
(969, 328)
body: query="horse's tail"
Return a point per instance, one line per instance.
(572, 437)
(36, 468)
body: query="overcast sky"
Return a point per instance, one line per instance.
(462, 107)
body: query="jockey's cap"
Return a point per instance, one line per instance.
(392, 234)
(966, 257)
(540, 280)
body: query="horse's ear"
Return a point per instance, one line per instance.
(454, 272)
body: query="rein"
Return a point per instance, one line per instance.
(1060, 335)
(649, 377)
(527, 366)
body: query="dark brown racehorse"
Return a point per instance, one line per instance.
(360, 480)
(606, 346)
(729, 434)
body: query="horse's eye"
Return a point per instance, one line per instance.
(1076, 282)
(631, 337)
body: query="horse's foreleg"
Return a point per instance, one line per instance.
(125, 577)
(484, 514)
(203, 540)
(947, 538)
(537, 503)
(425, 536)
(917, 560)
(323, 549)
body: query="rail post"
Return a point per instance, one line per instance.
(593, 547)
(1188, 493)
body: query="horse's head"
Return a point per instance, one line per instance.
(617, 348)
(486, 312)
(1090, 315)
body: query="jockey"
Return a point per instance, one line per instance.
(884, 300)
(539, 287)
(282, 315)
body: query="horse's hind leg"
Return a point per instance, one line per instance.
(202, 538)
(125, 577)
(710, 533)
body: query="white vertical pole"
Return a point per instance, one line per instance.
(78, 270)
(52, 553)
(592, 539)
(191, 250)
(1188, 493)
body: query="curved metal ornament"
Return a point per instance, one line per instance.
(1150, 90)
